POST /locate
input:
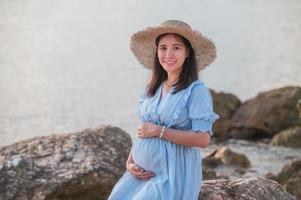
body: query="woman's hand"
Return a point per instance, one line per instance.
(148, 130)
(138, 172)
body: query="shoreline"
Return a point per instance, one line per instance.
(87, 164)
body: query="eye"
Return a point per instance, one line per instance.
(162, 48)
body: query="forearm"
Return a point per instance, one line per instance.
(187, 138)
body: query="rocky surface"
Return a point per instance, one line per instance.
(293, 186)
(226, 156)
(299, 107)
(288, 171)
(77, 166)
(290, 137)
(255, 188)
(224, 104)
(208, 173)
(267, 114)
(290, 178)
(86, 165)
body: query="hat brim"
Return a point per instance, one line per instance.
(144, 48)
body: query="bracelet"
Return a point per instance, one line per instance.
(162, 132)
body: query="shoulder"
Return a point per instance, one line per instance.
(198, 87)
(199, 92)
(198, 82)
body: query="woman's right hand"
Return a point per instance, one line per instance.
(139, 172)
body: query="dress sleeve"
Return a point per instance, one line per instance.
(200, 109)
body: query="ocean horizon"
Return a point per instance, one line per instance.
(66, 65)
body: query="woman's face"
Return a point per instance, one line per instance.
(172, 53)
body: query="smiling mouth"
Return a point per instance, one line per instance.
(173, 62)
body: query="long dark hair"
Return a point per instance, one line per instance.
(188, 74)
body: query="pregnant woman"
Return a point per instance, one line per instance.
(176, 115)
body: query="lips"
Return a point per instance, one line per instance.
(170, 62)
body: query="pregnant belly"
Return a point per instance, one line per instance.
(149, 154)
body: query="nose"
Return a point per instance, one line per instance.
(169, 53)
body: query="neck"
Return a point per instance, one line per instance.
(171, 80)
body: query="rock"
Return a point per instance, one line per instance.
(293, 186)
(290, 178)
(228, 157)
(243, 189)
(299, 107)
(211, 161)
(224, 104)
(271, 176)
(208, 166)
(78, 166)
(290, 137)
(208, 174)
(289, 171)
(267, 114)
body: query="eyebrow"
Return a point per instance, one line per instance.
(176, 44)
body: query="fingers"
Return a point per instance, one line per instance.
(147, 130)
(144, 175)
(140, 173)
(137, 168)
(139, 132)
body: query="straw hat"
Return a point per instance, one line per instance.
(144, 48)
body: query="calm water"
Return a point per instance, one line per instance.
(66, 65)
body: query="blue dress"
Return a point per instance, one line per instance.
(178, 169)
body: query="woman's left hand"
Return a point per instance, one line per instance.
(148, 130)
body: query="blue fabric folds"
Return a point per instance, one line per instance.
(189, 109)
(201, 109)
(178, 168)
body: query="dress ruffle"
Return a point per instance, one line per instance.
(196, 98)
(183, 103)
(201, 111)
(206, 116)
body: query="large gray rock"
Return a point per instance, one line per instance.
(290, 178)
(226, 156)
(267, 114)
(255, 188)
(87, 164)
(76, 166)
(290, 137)
(225, 105)
(293, 186)
(299, 107)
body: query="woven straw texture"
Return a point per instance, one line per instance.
(144, 48)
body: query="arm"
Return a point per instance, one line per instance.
(185, 138)
(200, 109)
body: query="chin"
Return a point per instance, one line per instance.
(171, 69)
